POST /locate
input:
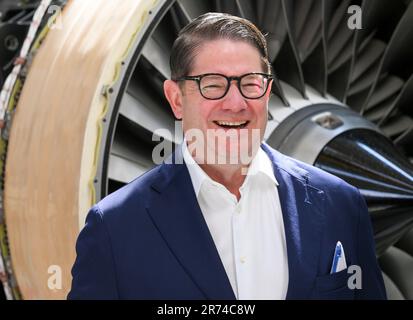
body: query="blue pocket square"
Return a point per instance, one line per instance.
(339, 259)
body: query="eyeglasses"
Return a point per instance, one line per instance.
(214, 86)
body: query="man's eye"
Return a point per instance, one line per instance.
(251, 85)
(213, 86)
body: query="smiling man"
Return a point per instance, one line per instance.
(227, 217)
(223, 95)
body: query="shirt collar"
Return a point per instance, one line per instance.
(198, 176)
(260, 166)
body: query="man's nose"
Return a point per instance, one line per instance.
(234, 100)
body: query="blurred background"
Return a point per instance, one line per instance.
(82, 95)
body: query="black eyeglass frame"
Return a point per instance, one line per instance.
(198, 79)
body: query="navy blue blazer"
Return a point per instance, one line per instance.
(149, 240)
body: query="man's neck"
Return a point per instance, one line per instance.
(230, 176)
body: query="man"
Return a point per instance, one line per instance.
(213, 223)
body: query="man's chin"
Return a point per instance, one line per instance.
(219, 147)
(232, 154)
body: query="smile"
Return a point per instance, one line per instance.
(232, 124)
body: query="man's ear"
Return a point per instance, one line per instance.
(269, 89)
(174, 96)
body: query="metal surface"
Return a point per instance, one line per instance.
(368, 160)
(15, 18)
(337, 91)
(304, 134)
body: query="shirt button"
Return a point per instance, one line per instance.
(238, 209)
(243, 259)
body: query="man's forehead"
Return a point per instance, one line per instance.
(225, 56)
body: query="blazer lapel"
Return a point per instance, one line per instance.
(302, 208)
(175, 211)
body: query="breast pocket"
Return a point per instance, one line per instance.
(333, 286)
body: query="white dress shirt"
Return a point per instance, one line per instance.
(248, 234)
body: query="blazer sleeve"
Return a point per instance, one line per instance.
(372, 279)
(93, 272)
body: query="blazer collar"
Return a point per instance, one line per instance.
(303, 213)
(176, 213)
(178, 217)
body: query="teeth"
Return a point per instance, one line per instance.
(234, 124)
